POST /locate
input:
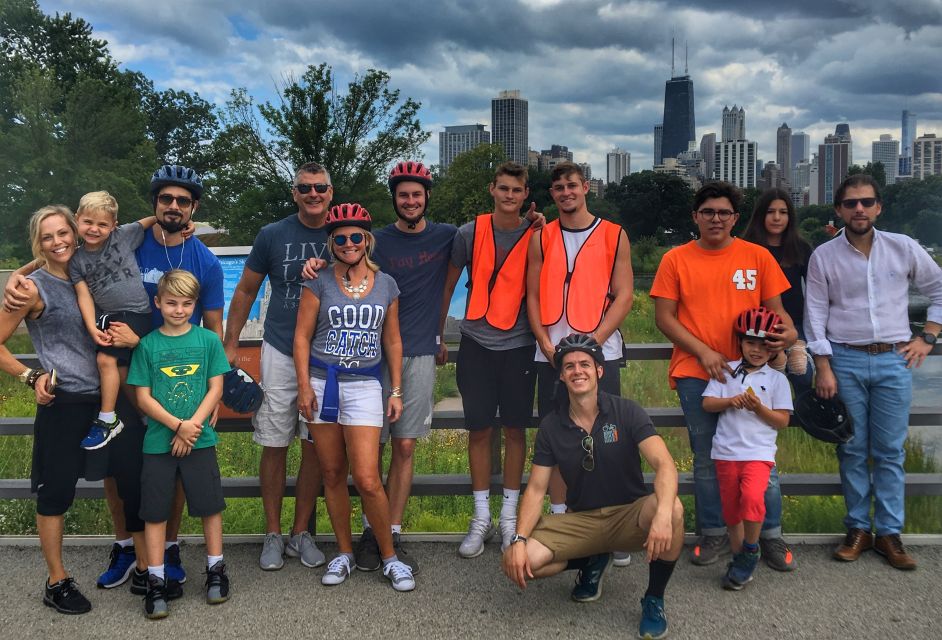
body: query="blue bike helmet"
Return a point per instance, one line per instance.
(177, 175)
(240, 392)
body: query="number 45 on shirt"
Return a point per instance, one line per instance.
(745, 279)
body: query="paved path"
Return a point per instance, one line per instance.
(459, 598)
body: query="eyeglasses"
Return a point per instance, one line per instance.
(341, 239)
(851, 203)
(588, 445)
(722, 214)
(320, 187)
(182, 201)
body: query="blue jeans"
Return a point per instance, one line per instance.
(877, 390)
(701, 426)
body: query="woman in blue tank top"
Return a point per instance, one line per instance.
(348, 321)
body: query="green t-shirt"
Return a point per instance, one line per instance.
(177, 370)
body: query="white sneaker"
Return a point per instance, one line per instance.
(400, 575)
(337, 571)
(508, 527)
(622, 558)
(301, 545)
(479, 531)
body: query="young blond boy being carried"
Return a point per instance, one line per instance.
(753, 403)
(178, 370)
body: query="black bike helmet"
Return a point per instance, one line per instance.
(177, 175)
(240, 392)
(578, 342)
(825, 419)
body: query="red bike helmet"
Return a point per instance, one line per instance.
(756, 323)
(348, 215)
(411, 171)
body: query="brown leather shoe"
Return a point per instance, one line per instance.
(856, 542)
(891, 547)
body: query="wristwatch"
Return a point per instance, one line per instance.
(930, 338)
(518, 538)
(25, 375)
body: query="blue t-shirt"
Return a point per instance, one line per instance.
(154, 259)
(418, 262)
(280, 251)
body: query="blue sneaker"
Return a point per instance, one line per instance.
(740, 571)
(653, 621)
(589, 581)
(119, 568)
(101, 433)
(173, 566)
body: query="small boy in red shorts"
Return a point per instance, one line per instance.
(753, 404)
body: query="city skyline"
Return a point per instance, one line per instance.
(597, 84)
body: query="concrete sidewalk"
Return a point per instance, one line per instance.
(458, 598)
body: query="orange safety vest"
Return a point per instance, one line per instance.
(496, 295)
(588, 295)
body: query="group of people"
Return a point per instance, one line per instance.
(354, 330)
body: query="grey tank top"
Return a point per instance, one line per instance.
(59, 336)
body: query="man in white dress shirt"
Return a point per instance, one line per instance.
(864, 350)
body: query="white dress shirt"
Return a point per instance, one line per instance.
(855, 300)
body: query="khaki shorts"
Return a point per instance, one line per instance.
(585, 533)
(277, 421)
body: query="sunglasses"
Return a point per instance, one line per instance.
(851, 203)
(588, 445)
(182, 201)
(320, 187)
(355, 238)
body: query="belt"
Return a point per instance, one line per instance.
(875, 348)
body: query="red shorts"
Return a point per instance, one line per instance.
(742, 489)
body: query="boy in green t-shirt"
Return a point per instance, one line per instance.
(178, 370)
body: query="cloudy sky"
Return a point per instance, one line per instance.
(593, 71)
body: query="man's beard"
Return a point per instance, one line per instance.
(176, 225)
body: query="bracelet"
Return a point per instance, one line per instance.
(396, 392)
(33, 376)
(179, 424)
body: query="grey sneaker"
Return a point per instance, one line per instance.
(777, 554)
(301, 545)
(622, 559)
(403, 555)
(337, 571)
(508, 527)
(273, 550)
(479, 532)
(709, 549)
(399, 575)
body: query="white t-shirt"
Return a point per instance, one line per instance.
(740, 433)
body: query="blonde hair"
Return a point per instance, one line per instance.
(178, 282)
(98, 201)
(370, 244)
(39, 217)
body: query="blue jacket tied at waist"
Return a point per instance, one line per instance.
(330, 404)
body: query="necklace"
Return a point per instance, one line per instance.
(355, 290)
(167, 253)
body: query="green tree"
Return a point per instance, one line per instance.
(653, 204)
(462, 193)
(875, 169)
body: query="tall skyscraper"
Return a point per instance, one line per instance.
(708, 152)
(619, 165)
(734, 124)
(658, 143)
(801, 147)
(735, 162)
(886, 151)
(458, 139)
(680, 126)
(833, 161)
(909, 134)
(783, 151)
(509, 125)
(927, 156)
(842, 131)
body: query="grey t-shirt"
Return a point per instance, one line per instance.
(111, 273)
(59, 335)
(349, 332)
(480, 331)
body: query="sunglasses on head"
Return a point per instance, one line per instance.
(182, 201)
(341, 239)
(851, 203)
(320, 187)
(588, 445)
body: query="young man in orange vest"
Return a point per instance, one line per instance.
(579, 280)
(495, 359)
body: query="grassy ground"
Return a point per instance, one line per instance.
(445, 452)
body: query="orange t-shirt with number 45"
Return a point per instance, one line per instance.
(712, 288)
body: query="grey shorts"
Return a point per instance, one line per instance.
(277, 422)
(418, 393)
(199, 473)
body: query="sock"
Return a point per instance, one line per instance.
(156, 571)
(170, 543)
(750, 548)
(508, 509)
(577, 564)
(107, 418)
(350, 558)
(366, 523)
(212, 560)
(396, 528)
(482, 509)
(557, 508)
(659, 573)
(128, 542)
(392, 558)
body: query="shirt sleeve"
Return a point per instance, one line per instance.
(714, 389)
(132, 234)
(140, 366)
(212, 294)
(76, 273)
(666, 284)
(258, 256)
(816, 307)
(459, 248)
(640, 426)
(542, 451)
(781, 393)
(774, 281)
(927, 277)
